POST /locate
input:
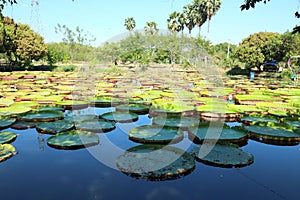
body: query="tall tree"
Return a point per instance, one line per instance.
(201, 15)
(173, 22)
(151, 28)
(191, 17)
(211, 8)
(130, 23)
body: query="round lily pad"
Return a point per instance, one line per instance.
(274, 133)
(14, 111)
(7, 137)
(6, 122)
(257, 118)
(292, 121)
(74, 139)
(156, 134)
(96, 125)
(176, 121)
(47, 108)
(219, 132)
(121, 117)
(80, 118)
(135, 108)
(223, 156)
(6, 151)
(42, 116)
(104, 102)
(21, 125)
(156, 162)
(73, 105)
(55, 127)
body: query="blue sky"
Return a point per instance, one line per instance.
(105, 18)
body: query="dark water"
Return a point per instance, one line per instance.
(41, 172)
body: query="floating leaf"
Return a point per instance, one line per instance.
(6, 122)
(217, 132)
(96, 125)
(156, 162)
(7, 137)
(6, 151)
(74, 139)
(135, 108)
(176, 121)
(55, 127)
(42, 116)
(222, 155)
(156, 134)
(122, 117)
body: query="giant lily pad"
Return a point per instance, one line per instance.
(122, 117)
(176, 121)
(156, 162)
(42, 116)
(257, 118)
(6, 122)
(156, 134)
(74, 139)
(7, 137)
(21, 125)
(104, 102)
(79, 118)
(292, 121)
(96, 125)
(135, 108)
(73, 105)
(217, 132)
(222, 155)
(55, 127)
(6, 151)
(14, 111)
(274, 133)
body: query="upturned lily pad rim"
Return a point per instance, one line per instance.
(176, 135)
(7, 137)
(134, 117)
(162, 174)
(6, 122)
(51, 127)
(229, 151)
(75, 146)
(8, 151)
(57, 115)
(99, 128)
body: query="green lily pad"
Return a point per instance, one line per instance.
(135, 108)
(217, 132)
(156, 134)
(104, 102)
(226, 156)
(121, 117)
(96, 125)
(13, 111)
(274, 133)
(72, 105)
(7, 137)
(74, 139)
(6, 151)
(21, 125)
(80, 118)
(49, 108)
(42, 116)
(6, 122)
(295, 122)
(258, 118)
(156, 162)
(176, 121)
(55, 127)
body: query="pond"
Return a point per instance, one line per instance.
(119, 163)
(41, 172)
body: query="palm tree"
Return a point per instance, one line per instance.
(211, 7)
(151, 28)
(201, 15)
(182, 18)
(191, 17)
(173, 24)
(130, 23)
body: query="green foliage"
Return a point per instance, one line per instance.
(130, 23)
(260, 47)
(20, 43)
